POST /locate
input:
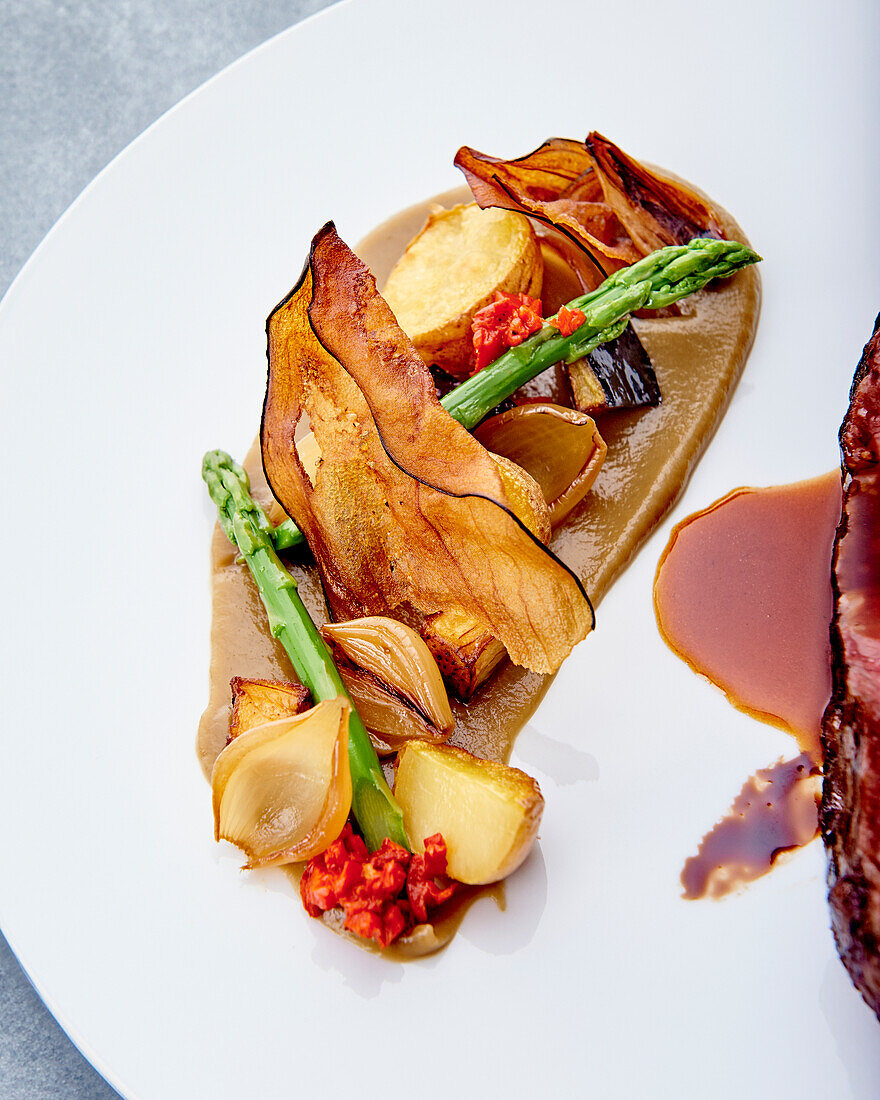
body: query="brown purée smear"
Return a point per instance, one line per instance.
(743, 595)
(698, 358)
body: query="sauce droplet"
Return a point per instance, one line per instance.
(777, 810)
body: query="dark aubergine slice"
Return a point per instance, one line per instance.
(850, 817)
(617, 375)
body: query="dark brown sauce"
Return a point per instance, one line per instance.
(743, 595)
(776, 811)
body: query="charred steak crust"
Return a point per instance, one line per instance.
(850, 818)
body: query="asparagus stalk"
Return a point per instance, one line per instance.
(287, 535)
(247, 526)
(658, 280)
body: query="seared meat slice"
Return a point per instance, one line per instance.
(851, 727)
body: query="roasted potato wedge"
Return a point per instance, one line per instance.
(465, 652)
(488, 813)
(255, 702)
(452, 269)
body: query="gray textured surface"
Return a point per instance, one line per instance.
(79, 81)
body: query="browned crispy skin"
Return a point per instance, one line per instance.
(851, 726)
(257, 701)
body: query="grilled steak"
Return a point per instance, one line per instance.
(851, 726)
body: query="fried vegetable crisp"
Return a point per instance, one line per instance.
(404, 506)
(594, 193)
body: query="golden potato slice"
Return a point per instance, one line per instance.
(452, 269)
(488, 813)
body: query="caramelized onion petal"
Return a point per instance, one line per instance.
(399, 659)
(407, 507)
(550, 184)
(560, 448)
(282, 791)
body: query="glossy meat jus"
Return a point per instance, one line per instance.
(743, 595)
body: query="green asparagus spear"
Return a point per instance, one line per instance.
(374, 806)
(658, 280)
(287, 535)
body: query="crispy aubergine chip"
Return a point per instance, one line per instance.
(405, 507)
(607, 203)
(656, 211)
(558, 185)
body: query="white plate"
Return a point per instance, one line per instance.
(133, 341)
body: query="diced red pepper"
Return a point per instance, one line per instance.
(421, 886)
(383, 894)
(504, 323)
(333, 873)
(383, 876)
(568, 320)
(383, 925)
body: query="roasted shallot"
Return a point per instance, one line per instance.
(560, 448)
(393, 679)
(282, 791)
